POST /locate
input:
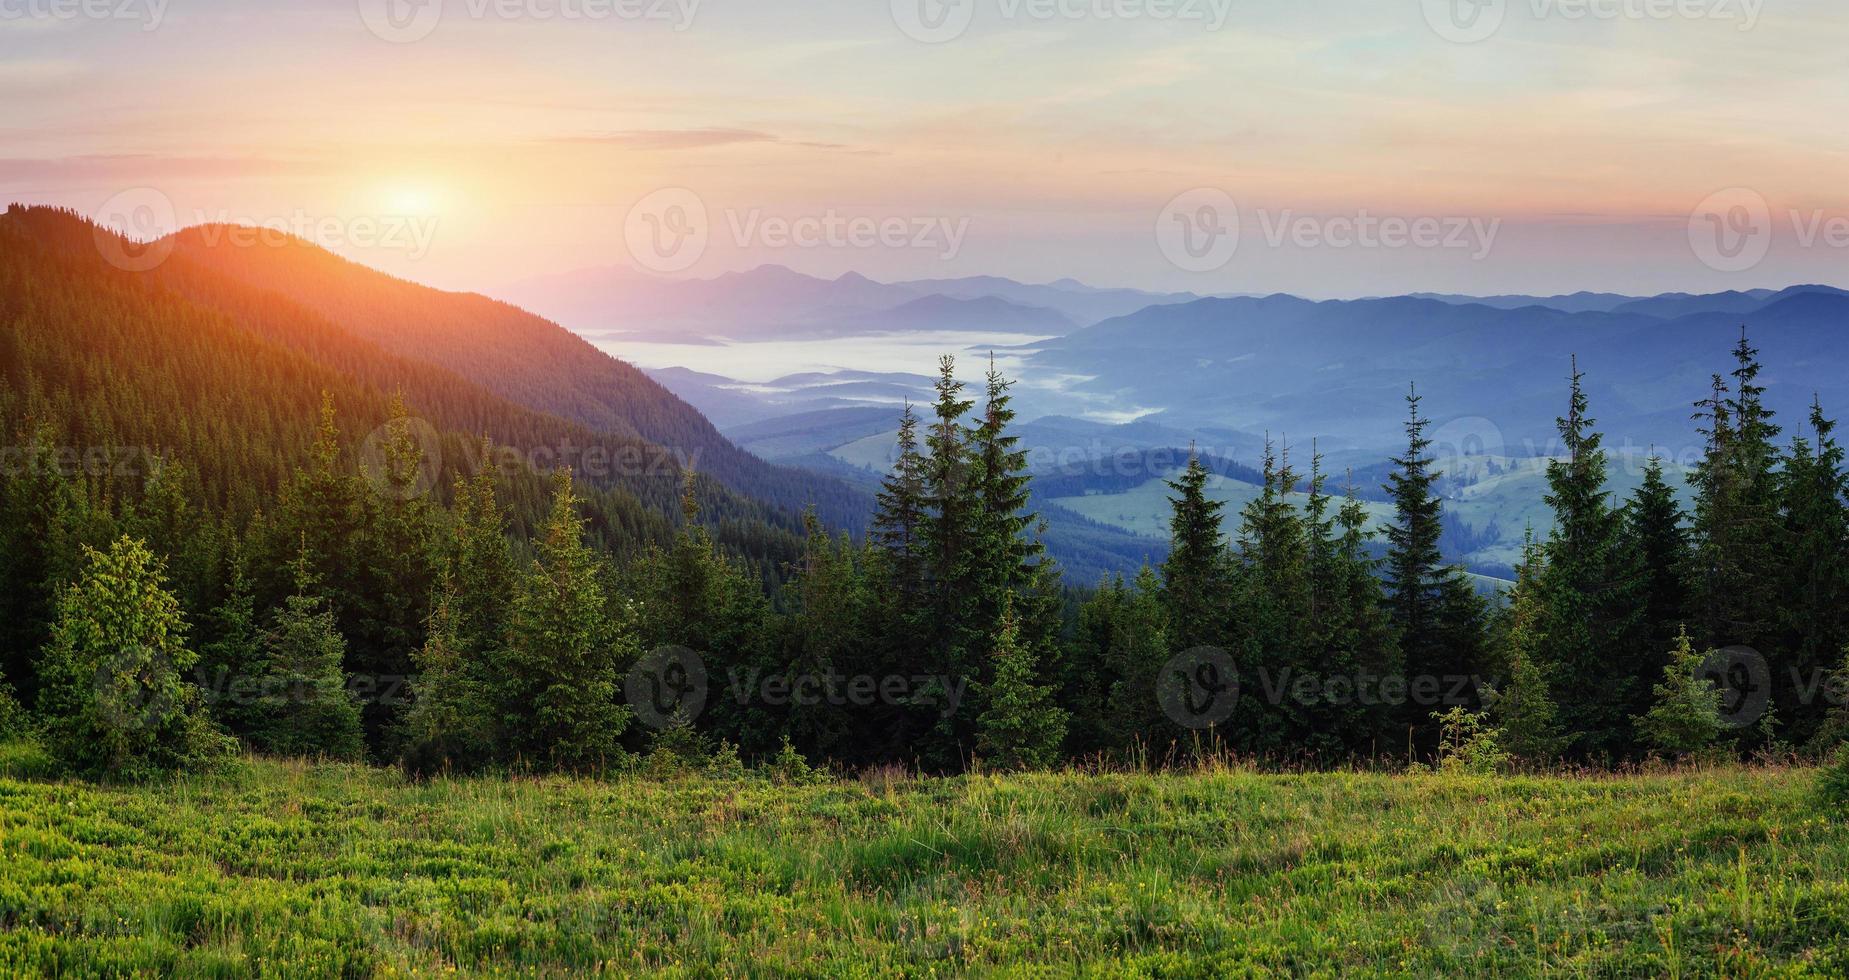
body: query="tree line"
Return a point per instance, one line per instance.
(145, 625)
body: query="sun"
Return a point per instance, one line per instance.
(412, 199)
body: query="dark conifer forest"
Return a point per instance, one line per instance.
(262, 496)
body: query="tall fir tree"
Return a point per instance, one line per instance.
(43, 531)
(951, 504)
(1656, 533)
(304, 706)
(1737, 533)
(231, 662)
(1590, 632)
(689, 595)
(1815, 614)
(899, 516)
(1436, 611)
(1273, 597)
(560, 707)
(402, 556)
(454, 723)
(1195, 577)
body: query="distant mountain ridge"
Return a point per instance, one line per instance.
(774, 301)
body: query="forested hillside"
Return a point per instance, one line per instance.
(504, 349)
(227, 516)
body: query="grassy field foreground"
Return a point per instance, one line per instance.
(338, 870)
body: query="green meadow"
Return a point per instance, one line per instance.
(297, 869)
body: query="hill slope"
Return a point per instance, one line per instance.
(229, 376)
(519, 356)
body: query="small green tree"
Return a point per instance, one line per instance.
(303, 705)
(230, 662)
(450, 726)
(1021, 727)
(1523, 708)
(560, 704)
(1687, 714)
(112, 686)
(1834, 731)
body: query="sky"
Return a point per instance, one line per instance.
(1329, 148)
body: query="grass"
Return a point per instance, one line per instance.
(294, 869)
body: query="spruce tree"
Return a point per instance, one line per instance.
(899, 517)
(39, 543)
(112, 687)
(1003, 554)
(1273, 599)
(1021, 726)
(560, 707)
(1738, 536)
(403, 561)
(691, 596)
(454, 720)
(1815, 612)
(450, 725)
(1523, 708)
(304, 706)
(1591, 622)
(831, 639)
(1435, 609)
(231, 662)
(1656, 534)
(1686, 715)
(482, 574)
(951, 513)
(1195, 576)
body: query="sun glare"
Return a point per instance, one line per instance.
(412, 199)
